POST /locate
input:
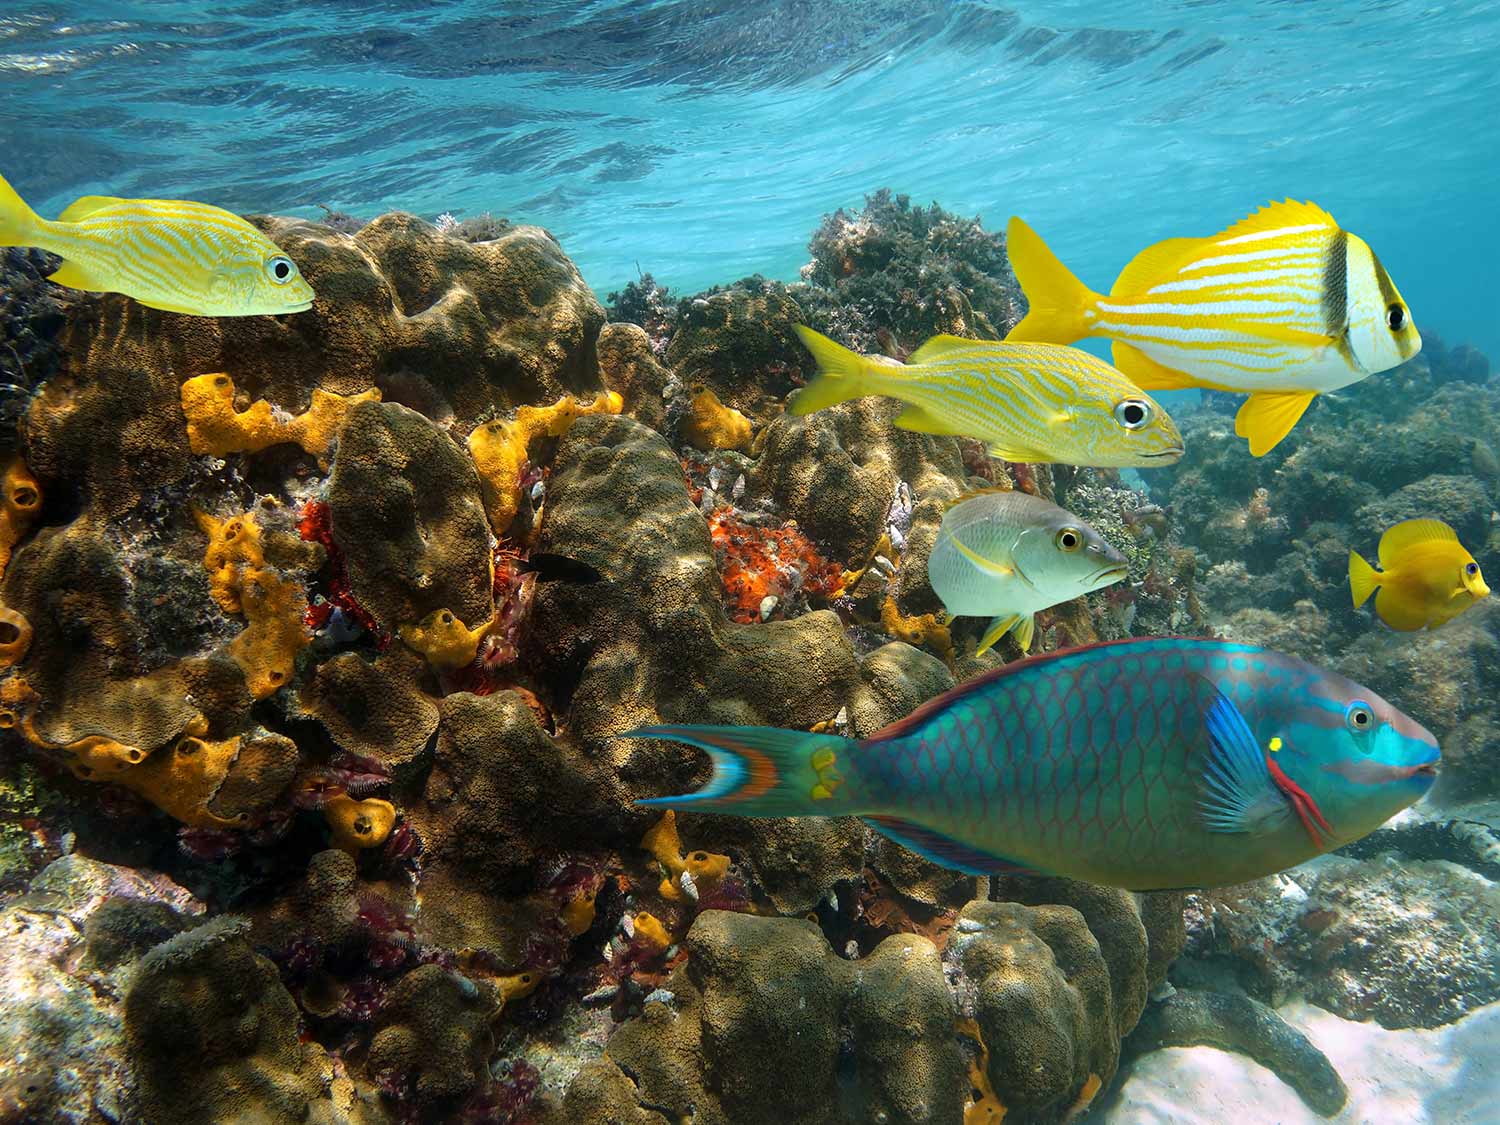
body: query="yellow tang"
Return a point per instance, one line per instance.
(1426, 578)
(1026, 402)
(166, 253)
(1283, 305)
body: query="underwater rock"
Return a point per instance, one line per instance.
(628, 367)
(32, 312)
(375, 709)
(739, 342)
(433, 1042)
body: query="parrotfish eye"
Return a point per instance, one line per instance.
(1395, 316)
(1358, 717)
(1132, 413)
(281, 269)
(1068, 539)
(1472, 569)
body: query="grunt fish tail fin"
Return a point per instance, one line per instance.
(1363, 578)
(1061, 305)
(842, 374)
(19, 224)
(764, 771)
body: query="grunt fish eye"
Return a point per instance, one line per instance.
(281, 269)
(1068, 539)
(1358, 717)
(1395, 316)
(1132, 413)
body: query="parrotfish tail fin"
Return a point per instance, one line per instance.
(1363, 578)
(18, 222)
(765, 771)
(842, 374)
(1060, 303)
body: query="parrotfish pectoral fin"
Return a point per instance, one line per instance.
(84, 206)
(1146, 373)
(764, 771)
(1059, 301)
(1238, 793)
(918, 421)
(1363, 578)
(1268, 416)
(944, 850)
(998, 628)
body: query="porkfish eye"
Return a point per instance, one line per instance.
(1133, 413)
(1069, 539)
(1395, 317)
(1358, 717)
(281, 269)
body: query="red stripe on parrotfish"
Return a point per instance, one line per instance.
(1305, 807)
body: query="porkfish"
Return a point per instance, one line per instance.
(1147, 764)
(1426, 576)
(1026, 402)
(1282, 306)
(168, 254)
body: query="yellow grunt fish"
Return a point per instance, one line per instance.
(1026, 402)
(165, 253)
(1284, 305)
(1426, 577)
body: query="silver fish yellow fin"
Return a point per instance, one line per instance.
(1268, 416)
(919, 421)
(997, 629)
(999, 568)
(974, 494)
(939, 346)
(85, 205)
(1155, 264)
(1146, 373)
(1279, 216)
(1407, 533)
(1026, 631)
(1238, 793)
(75, 276)
(944, 850)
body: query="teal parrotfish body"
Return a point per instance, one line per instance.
(1146, 764)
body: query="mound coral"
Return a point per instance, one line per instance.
(215, 426)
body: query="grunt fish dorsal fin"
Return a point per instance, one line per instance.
(939, 346)
(85, 205)
(1276, 216)
(944, 850)
(1155, 264)
(1399, 537)
(1268, 416)
(1146, 373)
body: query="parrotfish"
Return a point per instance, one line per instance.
(1008, 555)
(1283, 305)
(167, 254)
(1026, 402)
(1426, 577)
(1147, 764)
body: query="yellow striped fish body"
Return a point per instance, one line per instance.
(167, 254)
(1026, 402)
(1284, 305)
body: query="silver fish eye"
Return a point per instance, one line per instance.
(1133, 413)
(1069, 539)
(1358, 717)
(281, 269)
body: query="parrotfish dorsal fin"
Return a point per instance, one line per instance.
(1155, 264)
(939, 346)
(85, 205)
(944, 850)
(1405, 534)
(1277, 216)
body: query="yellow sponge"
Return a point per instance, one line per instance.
(214, 426)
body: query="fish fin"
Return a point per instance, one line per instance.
(919, 421)
(1275, 216)
(1399, 537)
(1363, 578)
(996, 567)
(75, 276)
(763, 771)
(1155, 264)
(1026, 631)
(1396, 612)
(1281, 334)
(841, 374)
(164, 307)
(944, 850)
(1146, 373)
(1238, 794)
(85, 205)
(998, 627)
(1268, 416)
(1059, 301)
(18, 222)
(975, 493)
(939, 346)
(1016, 456)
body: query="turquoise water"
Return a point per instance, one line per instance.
(702, 141)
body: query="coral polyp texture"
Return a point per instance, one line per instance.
(319, 634)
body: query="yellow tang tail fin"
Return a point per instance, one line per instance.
(17, 221)
(841, 374)
(1363, 579)
(1060, 303)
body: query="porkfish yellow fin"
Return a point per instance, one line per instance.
(939, 346)
(85, 205)
(1363, 578)
(998, 628)
(1408, 533)
(1060, 303)
(75, 276)
(1146, 373)
(1279, 216)
(1268, 416)
(999, 568)
(1156, 264)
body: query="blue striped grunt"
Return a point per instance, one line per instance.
(1283, 305)
(1149, 764)
(1026, 402)
(167, 254)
